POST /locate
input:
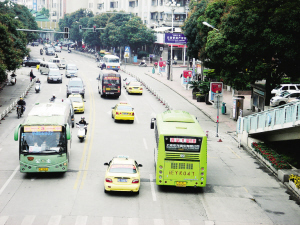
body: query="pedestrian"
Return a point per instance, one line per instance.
(31, 75)
(37, 66)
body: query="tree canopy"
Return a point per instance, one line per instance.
(13, 42)
(256, 39)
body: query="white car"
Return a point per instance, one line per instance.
(292, 88)
(283, 98)
(127, 80)
(57, 49)
(71, 70)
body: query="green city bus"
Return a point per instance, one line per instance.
(180, 152)
(45, 138)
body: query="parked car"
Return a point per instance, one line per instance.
(75, 86)
(292, 88)
(283, 98)
(31, 62)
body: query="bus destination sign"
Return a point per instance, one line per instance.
(42, 128)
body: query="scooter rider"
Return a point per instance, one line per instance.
(13, 75)
(22, 103)
(82, 121)
(38, 82)
(53, 98)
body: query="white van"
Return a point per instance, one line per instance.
(42, 67)
(111, 62)
(50, 66)
(61, 63)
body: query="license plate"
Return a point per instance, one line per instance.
(125, 113)
(108, 89)
(72, 75)
(43, 169)
(113, 67)
(122, 180)
(180, 184)
(55, 79)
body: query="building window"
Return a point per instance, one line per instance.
(132, 4)
(113, 4)
(90, 5)
(100, 6)
(161, 2)
(54, 5)
(154, 16)
(154, 3)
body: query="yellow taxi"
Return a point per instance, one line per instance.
(134, 87)
(122, 111)
(122, 174)
(77, 102)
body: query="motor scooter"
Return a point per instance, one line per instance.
(143, 64)
(81, 132)
(41, 53)
(37, 87)
(12, 80)
(19, 111)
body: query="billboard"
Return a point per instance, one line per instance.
(175, 38)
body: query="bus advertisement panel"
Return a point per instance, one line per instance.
(44, 142)
(181, 150)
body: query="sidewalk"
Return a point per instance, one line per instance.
(208, 110)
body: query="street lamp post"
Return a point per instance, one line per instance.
(172, 5)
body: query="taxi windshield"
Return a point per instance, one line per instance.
(76, 99)
(72, 68)
(122, 168)
(124, 108)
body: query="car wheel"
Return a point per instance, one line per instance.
(138, 192)
(115, 120)
(72, 124)
(132, 121)
(83, 96)
(67, 95)
(281, 103)
(112, 116)
(105, 191)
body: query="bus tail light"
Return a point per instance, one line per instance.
(160, 172)
(108, 67)
(202, 168)
(30, 158)
(135, 181)
(202, 174)
(160, 167)
(202, 179)
(108, 180)
(103, 88)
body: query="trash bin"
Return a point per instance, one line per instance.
(223, 108)
(153, 70)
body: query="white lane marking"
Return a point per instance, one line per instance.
(209, 222)
(54, 220)
(159, 222)
(3, 220)
(184, 222)
(81, 220)
(60, 90)
(107, 221)
(152, 188)
(145, 143)
(0, 149)
(9, 179)
(136, 118)
(28, 220)
(133, 221)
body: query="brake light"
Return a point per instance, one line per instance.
(108, 180)
(118, 67)
(117, 113)
(135, 181)
(141, 88)
(132, 113)
(108, 66)
(30, 158)
(130, 88)
(103, 89)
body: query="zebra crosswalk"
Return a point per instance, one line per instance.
(92, 220)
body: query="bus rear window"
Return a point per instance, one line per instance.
(183, 144)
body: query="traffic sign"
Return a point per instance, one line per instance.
(127, 49)
(126, 55)
(161, 48)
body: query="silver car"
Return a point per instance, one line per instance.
(54, 76)
(71, 70)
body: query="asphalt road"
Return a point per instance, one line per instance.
(239, 190)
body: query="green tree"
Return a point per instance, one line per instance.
(45, 12)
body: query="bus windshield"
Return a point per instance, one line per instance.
(111, 80)
(43, 142)
(183, 144)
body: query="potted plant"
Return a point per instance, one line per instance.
(204, 87)
(195, 87)
(200, 97)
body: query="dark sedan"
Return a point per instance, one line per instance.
(31, 62)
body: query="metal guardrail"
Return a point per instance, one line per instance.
(266, 120)
(14, 103)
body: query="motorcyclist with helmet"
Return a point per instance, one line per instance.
(82, 121)
(53, 98)
(22, 103)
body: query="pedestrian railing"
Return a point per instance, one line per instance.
(284, 116)
(14, 103)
